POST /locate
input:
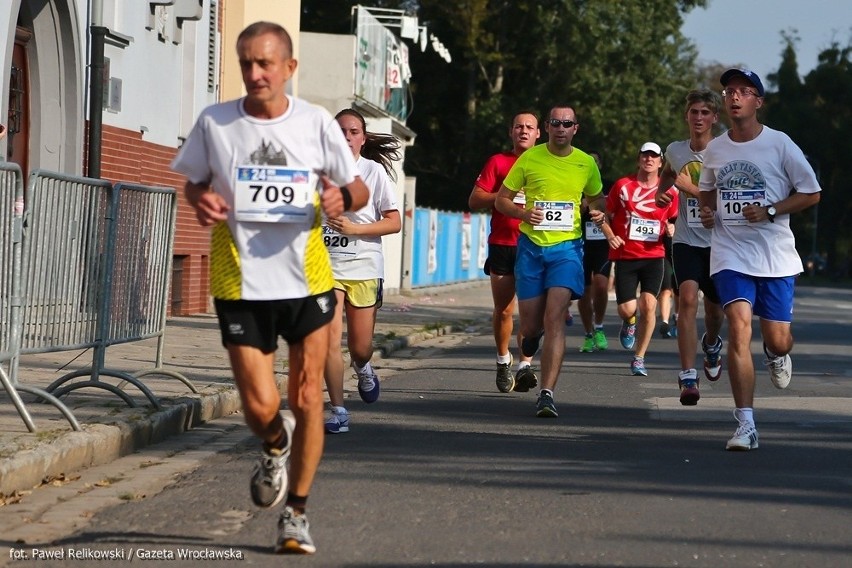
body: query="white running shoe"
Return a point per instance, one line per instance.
(712, 359)
(269, 478)
(293, 534)
(745, 438)
(780, 370)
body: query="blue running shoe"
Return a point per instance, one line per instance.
(712, 359)
(627, 335)
(637, 367)
(338, 423)
(368, 384)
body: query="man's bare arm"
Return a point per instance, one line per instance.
(480, 199)
(210, 207)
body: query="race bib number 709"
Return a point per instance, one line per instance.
(270, 194)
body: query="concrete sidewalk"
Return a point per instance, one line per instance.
(111, 429)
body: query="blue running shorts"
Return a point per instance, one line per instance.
(538, 268)
(771, 298)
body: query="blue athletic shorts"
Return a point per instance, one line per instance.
(770, 298)
(538, 268)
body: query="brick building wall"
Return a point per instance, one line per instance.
(125, 156)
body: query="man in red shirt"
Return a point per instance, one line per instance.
(502, 249)
(637, 249)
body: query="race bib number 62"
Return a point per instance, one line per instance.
(558, 216)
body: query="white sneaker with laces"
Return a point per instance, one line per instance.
(338, 423)
(269, 478)
(745, 438)
(294, 535)
(780, 370)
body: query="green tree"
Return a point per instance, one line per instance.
(816, 114)
(623, 64)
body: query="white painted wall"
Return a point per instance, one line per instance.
(164, 85)
(327, 70)
(327, 78)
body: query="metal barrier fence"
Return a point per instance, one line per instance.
(95, 271)
(139, 272)
(11, 295)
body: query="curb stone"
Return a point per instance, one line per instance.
(136, 428)
(102, 443)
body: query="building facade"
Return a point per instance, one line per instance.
(158, 65)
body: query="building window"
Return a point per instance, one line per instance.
(177, 284)
(212, 47)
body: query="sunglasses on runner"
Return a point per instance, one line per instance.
(555, 122)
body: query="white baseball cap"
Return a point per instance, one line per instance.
(651, 147)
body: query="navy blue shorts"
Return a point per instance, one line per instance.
(771, 298)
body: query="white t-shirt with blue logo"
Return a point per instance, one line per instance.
(763, 171)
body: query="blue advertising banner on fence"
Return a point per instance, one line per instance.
(448, 247)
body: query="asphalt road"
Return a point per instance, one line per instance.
(446, 471)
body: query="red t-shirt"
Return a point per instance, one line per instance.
(504, 230)
(638, 220)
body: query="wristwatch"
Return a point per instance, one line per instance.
(770, 213)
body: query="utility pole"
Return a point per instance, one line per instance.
(96, 99)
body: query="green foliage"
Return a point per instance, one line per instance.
(623, 65)
(816, 114)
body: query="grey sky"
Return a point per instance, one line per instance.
(749, 31)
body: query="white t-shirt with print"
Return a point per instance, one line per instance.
(356, 257)
(271, 246)
(765, 171)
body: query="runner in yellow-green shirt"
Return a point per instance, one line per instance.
(549, 267)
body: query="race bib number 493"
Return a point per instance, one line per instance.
(644, 229)
(270, 194)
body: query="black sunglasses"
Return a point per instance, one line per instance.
(566, 123)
